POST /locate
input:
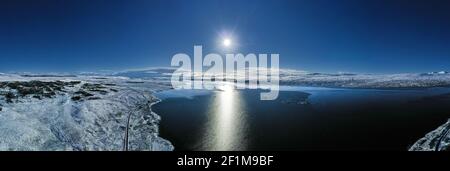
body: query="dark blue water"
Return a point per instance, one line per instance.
(301, 118)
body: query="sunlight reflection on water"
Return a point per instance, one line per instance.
(226, 122)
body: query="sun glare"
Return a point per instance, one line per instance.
(227, 42)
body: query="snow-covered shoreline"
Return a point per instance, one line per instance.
(436, 140)
(92, 114)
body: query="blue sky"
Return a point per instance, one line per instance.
(370, 36)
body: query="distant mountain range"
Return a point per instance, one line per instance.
(287, 77)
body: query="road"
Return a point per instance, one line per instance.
(125, 141)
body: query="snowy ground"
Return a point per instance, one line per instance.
(437, 140)
(98, 113)
(111, 111)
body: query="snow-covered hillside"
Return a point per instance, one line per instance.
(436, 140)
(78, 113)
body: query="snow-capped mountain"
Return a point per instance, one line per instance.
(437, 73)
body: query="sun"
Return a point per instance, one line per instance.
(227, 42)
